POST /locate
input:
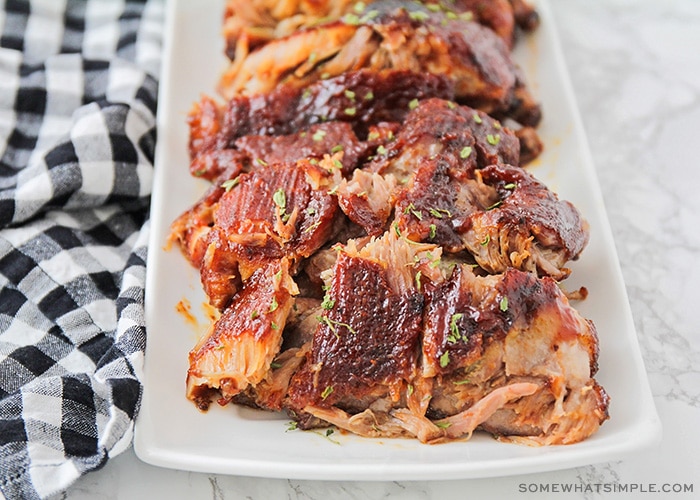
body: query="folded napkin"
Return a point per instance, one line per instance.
(78, 88)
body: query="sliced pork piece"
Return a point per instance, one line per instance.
(250, 24)
(366, 345)
(392, 35)
(485, 333)
(438, 129)
(527, 227)
(361, 98)
(368, 200)
(312, 143)
(238, 350)
(273, 212)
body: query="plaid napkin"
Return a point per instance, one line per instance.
(78, 87)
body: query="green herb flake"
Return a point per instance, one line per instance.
(274, 304)
(435, 213)
(261, 162)
(291, 426)
(451, 15)
(486, 240)
(495, 205)
(435, 7)
(433, 231)
(370, 15)
(511, 185)
(359, 7)
(349, 94)
(280, 198)
(462, 382)
(503, 304)
(493, 139)
(231, 183)
(477, 118)
(369, 96)
(381, 150)
(352, 19)
(451, 105)
(306, 94)
(327, 303)
(275, 365)
(254, 314)
(319, 135)
(418, 15)
(312, 227)
(465, 152)
(373, 136)
(443, 425)
(413, 104)
(419, 274)
(454, 329)
(337, 148)
(350, 111)
(445, 359)
(327, 392)
(274, 326)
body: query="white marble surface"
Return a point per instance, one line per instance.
(635, 67)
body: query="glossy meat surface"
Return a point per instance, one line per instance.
(380, 257)
(392, 35)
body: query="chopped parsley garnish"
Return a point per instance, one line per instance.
(493, 139)
(433, 231)
(280, 198)
(503, 304)
(350, 111)
(418, 15)
(445, 359)
(413, 104)
(319, 135)
(465, 152)
(274, 305)
(454, 328)
(327, 391)
(231, 183)
(337, 148)
(327, 303)
(495, 205)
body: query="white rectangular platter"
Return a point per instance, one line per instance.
(171, 432)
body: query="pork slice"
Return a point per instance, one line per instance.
(238, 350)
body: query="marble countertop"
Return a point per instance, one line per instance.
(635, 70)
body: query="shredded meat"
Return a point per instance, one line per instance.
(381, 258)
(393, 35)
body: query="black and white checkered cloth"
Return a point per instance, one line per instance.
(78, 87)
